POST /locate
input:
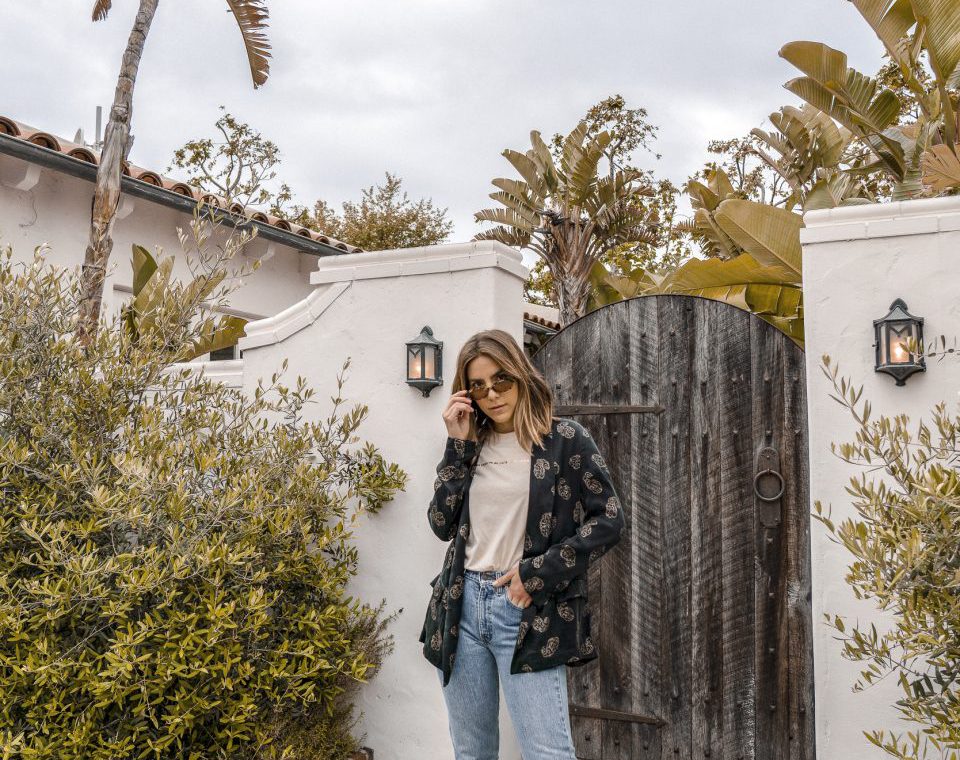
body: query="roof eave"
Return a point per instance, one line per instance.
(537, 327)
(75, 167)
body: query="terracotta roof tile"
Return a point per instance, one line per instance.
(20, 130)
(549, 323)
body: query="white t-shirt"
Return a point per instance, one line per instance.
(499, 497)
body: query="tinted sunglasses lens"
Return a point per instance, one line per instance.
(501, 386)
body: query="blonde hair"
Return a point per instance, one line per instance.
(533, 416)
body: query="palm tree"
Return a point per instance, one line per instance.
(251, 16)
(567, 213)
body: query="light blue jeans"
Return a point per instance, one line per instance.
(537, 701)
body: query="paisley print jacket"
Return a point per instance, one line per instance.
(574, 516)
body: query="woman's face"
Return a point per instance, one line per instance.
(499, 407)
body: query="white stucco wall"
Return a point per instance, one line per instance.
(367, 306)
(856, 261)
(42, 206)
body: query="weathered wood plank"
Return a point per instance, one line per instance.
(706, 568)
(555, 362)
(584, 682)
(738, 515)
(797, 523)
(771, 651)
(617, 595)
(676, 359)
(645, 526)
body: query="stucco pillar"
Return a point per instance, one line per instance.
(856, 261)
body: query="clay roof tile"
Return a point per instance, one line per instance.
(530, 317)
(20, 130)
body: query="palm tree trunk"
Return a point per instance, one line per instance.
(106, 195)
(572, 285)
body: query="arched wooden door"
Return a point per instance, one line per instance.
(702, 612)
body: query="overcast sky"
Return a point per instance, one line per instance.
(432, 90)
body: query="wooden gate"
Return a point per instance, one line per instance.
(702, 612)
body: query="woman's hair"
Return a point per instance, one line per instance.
(533, 416)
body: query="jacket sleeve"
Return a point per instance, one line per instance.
(444, 511)
(602, 527)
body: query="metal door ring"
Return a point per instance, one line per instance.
(756, 485)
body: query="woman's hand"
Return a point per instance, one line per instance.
(459, 416)
(512, 576)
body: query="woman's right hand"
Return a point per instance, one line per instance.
(459, 416)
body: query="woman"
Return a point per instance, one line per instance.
(526, 502)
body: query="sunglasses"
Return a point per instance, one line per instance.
(478, 391)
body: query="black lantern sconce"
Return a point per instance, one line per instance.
(892, 334)
(425, 362)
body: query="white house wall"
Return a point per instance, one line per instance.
(856, 261)
(40, 206)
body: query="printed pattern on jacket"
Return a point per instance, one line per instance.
(574, 517)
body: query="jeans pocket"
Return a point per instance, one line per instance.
(510, 603)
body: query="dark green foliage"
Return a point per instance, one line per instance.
(173, 552)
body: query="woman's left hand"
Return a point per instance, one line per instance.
(512, 576)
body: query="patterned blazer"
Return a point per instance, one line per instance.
(574, 516)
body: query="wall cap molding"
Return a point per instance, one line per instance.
(405, 262)
(293, 319)
(879, 220)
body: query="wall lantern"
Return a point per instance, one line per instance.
(425, 361)
(892, 334)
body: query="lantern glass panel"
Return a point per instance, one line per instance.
(415, 363)
(430, 362)
(895, 348)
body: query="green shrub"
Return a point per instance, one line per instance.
(173, 552)
(906, 548)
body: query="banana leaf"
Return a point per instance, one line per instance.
(770, 235)
(941, 167)
(745, 283)
(941, 34)
(152, 286)
(891, 21)
(742, 282)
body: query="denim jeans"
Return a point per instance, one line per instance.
(537, 701)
